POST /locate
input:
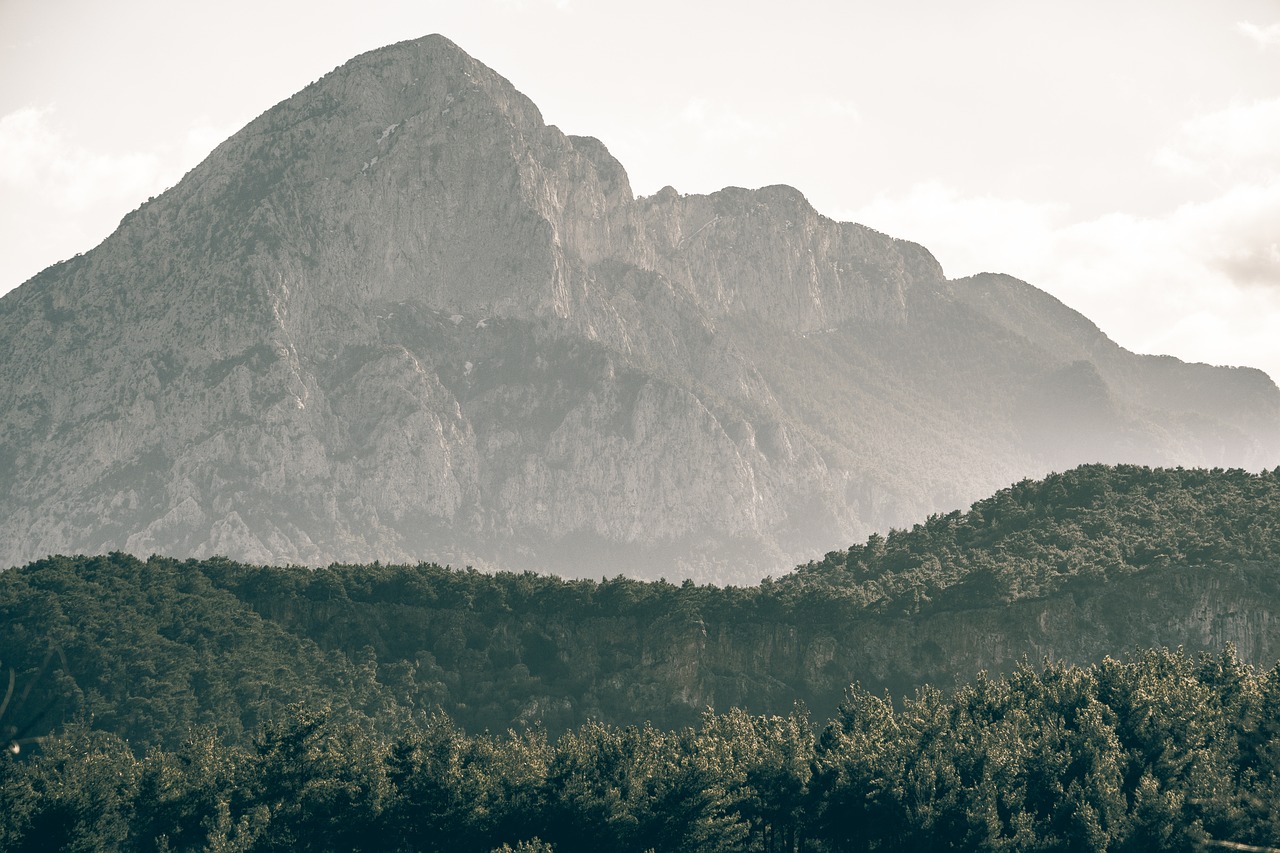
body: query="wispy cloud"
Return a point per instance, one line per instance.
(1239, 141)
(50, 176)
(34, 153)
(1268, 36)
(964, 231)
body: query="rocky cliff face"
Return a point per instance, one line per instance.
(398, 317)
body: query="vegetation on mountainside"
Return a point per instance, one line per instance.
(1035, 538)
(152, 650)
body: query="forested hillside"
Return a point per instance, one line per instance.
(1071, 530)
(211, 703)
(1090, 562)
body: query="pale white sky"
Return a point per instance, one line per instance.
(1123, 156)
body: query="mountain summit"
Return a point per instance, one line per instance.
(399, 317)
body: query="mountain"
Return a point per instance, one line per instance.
(399, 317)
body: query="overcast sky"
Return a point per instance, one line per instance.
(1124, 156)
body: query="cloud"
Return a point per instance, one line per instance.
(968, 234)
(35, 154)
(1197, 258)
(1243, 138)
(1256, 265)
(1201, 282)
(64, 196)
(1264, 37)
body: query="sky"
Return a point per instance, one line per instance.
(1125, 157)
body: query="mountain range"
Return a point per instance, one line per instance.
(400, 317)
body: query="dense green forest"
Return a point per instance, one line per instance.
(1162, 752)
(400, 707)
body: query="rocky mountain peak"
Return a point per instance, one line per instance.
(400, 317)
(415, 172)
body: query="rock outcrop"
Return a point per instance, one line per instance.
(399, 317)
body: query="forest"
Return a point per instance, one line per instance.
(1161, 752)
(163, 704)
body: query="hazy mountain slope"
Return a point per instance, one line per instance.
(399, 317)
(1203, 410)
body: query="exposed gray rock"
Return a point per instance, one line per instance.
(398, 317)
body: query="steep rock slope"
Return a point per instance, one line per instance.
(399, 317)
